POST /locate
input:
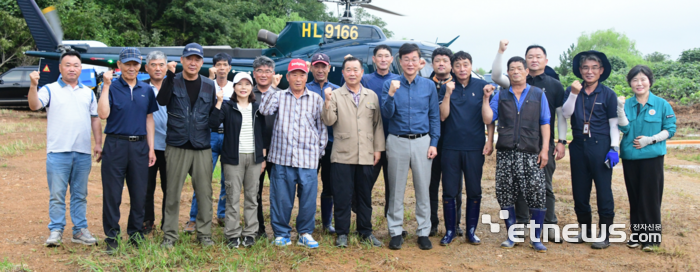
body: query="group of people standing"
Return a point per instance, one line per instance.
(177, 124)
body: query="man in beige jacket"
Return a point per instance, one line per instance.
(353, 112)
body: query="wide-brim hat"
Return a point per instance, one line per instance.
(607, 68)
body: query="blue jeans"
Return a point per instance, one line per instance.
(64, 169)
(217, 143)
(283, 185)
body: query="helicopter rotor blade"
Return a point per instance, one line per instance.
(372, 7)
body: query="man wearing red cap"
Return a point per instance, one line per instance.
(298, 142)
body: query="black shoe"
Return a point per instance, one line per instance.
(148, 227)
(460, 232)
(433, 231)
(396, 242)
(248, 241)
(112, 246)
(632, 244)
(404, 234)
(261, 235)
(424, 243)
(342, 240)
(234, 242)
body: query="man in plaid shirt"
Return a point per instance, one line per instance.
(298, 141)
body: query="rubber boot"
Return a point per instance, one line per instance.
(508, 243)
(473, 207)
(538, 217)
(604, 226)
(449, 208)
(327, 214)
(584, 221)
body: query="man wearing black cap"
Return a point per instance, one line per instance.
(190, 99)
(128, 106)
(320, 67)
(594, 150)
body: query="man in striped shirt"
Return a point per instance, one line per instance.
(298, 141)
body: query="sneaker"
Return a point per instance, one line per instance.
(424, 243)
(190, 227)
(167, 244)
(404, 234)
(234, 242)
(632, 244)
(647, 247)
(54, 239)
(433, 231)
(282, 241)
(206, 241)
(84, 237)
(372, 240)
(261, 235)
(111, 246)
(148, 227)
(396, 242)
(460, 232)
(307, 241)
(248, 241)
(342, 241)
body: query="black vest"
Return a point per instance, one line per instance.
(519, 130)
(190, 124)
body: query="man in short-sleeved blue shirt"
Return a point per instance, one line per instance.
(128, 106)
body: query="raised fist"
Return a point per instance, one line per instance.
(220, 95)
(449, 87)
(576, 87)
(488, 90)
(171, 66)
(395, 85)
(107, 77)
(212, 72)
(329, 93)
(503, 45)
(621, 101)
(34, 76)
(276, 79)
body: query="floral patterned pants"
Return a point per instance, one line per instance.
(518, 171)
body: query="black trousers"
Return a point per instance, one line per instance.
(469, 164)
(151, 190)
(588, 166)
(326, 169)
(122, 159)
(435, 177)
(261, 217)
(383, 163)
(352, 181)
(645, 188)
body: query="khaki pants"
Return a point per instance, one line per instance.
(246, 175)
(179, 163)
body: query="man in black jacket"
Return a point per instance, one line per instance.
(190, 99)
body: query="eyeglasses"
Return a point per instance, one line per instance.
(261, 71)
(411, 60)
(594, 68)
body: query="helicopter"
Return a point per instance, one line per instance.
(299, 39)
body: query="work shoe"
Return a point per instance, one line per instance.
(584, 221)
(473, 210)
(84, 237)
(111, 246)
(190, 227)
(342, 241)
(508, 243)
(248, 241)
(538, 217)
(460, 231)
(54, 239)
(448, 206)
(552, 236)
(632, 244)
(648, 247)
(221, 222)
(404, 234)
(205, 241)
(327, 214)
(424, 243)
(167, 244)
(261, 235)
(234, 242)
(282, 241)
(372, 240)
(604, 224)
(396, 242)
(433, 231)
(148, 227)
(307, 241)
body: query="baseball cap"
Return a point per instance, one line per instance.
(130, 54)
(193, 49)
(240, 76)
(297, 64)
(320, 57)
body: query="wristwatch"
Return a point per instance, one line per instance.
(616, 148)
(562, 142)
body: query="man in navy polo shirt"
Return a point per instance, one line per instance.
(464, 144)
(128, 151)
(594, 150)
(320, 67)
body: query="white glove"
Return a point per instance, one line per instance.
(621, 117)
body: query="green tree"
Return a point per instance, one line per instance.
(364, 18)
(14, 40)
(481, 71)
(565, 61)
(249, 30)
(617, 63)
(657, 57)
(691, 55)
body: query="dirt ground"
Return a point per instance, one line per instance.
(24, 213)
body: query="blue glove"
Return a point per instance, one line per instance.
(613, 157)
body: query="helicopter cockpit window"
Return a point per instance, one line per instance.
(333, 32)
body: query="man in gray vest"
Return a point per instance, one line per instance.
(522, 128)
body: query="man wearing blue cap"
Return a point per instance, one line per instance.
(128, 106)
(190, 99)
(592, 108)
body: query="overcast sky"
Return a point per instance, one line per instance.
(668, 26)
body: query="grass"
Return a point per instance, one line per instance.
(690, 157)
(7, 266)
(6, 128)
(18, 147)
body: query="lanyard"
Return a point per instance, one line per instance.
(587, 124)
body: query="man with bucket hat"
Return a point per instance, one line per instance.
(190, 98)
(128, 105)
(592, 108)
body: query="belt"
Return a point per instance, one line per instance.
(412, 136)
(128, 138)
(220, 131)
